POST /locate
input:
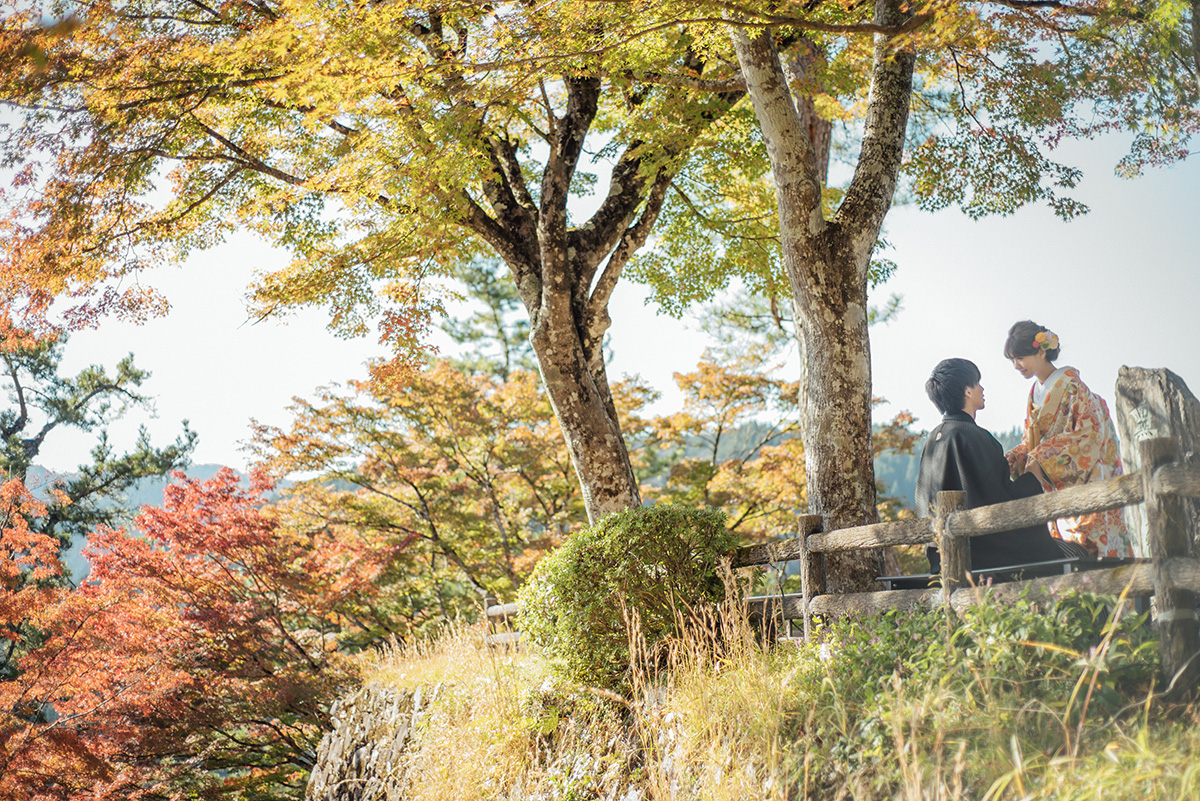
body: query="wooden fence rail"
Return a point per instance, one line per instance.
(502, 622)
(1159, 419)
(1170, 574)
(1084, 499)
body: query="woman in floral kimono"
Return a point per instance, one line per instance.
(1069, 438)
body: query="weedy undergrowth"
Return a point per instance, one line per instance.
(1029, 699)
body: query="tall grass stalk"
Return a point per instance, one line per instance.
(1007, 701)
(713, 720)
(501, 727)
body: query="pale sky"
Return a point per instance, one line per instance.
(1119, 286)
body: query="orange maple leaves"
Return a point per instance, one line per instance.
(205, 641)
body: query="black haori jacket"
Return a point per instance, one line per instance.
(959, 455)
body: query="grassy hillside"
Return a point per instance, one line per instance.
(1024, 701)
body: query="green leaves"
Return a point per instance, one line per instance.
(899, 684)
(465, 476)
(41, 402)
(635, 577)
(999, 97)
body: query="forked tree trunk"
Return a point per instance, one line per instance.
(565, 276)
(827, 263)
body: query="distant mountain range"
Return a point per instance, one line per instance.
(898, 471)
(145, 492)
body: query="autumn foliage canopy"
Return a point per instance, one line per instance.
(385, 145)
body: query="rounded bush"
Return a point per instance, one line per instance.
(657, 565)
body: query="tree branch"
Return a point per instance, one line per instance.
(1196, 37)
(566, 148)
(604, 229)
(792, 156)
(633, 239)
(23, 417)
(36, 442)
(505, 156)
(521, 257)
(747, 19)
(878, 26)
(1033, 4)
(735, 83)
(248, 159)
(874, 183)
(719, 224)
(217, 187)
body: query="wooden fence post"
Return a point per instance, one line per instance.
(1156, 403)
(489, 601)
(812, 567)
(955, 552)
(1167, 537)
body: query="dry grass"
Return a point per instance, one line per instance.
(714, 723)
(722, 719)
(502, 728)
(450, 658)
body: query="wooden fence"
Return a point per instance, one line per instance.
(1168, 485)
(1170, 575)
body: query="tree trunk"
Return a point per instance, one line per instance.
(805, 62)
(589, 425)
(839, 470)
(555, 269)
(565, 276)
(1196, 37)
(826, 262)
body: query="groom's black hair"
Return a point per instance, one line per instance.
(947, 385)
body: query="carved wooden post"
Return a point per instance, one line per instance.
(812, 567)
(955, 552)
(1156, 403)
(1168, 537)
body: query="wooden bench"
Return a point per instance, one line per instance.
(997, 575)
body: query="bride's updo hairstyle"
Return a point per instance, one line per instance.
(1027, 338)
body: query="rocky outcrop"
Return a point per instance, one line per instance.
(361, 759)
(1157, 403)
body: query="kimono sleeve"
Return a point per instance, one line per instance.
(1016, 458)
(1068, 454)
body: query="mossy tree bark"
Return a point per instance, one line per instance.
(826, 261)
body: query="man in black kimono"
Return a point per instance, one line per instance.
(959, 455)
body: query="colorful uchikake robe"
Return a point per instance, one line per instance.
(1071, 436)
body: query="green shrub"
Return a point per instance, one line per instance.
(656, 564)
(1011, 643)
(1044, 672)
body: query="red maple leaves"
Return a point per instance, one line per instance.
(200, 655)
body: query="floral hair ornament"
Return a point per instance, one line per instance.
(1046, 340)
